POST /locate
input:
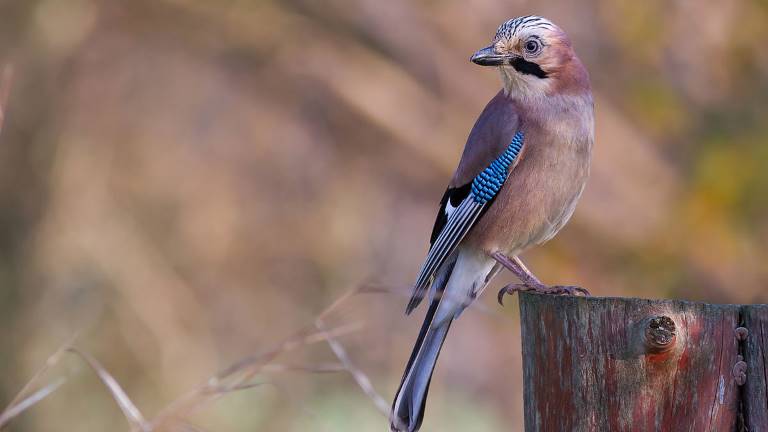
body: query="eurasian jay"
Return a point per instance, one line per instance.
(522, 171)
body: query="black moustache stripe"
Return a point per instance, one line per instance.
(528, 68)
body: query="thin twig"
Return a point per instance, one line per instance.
(339, 301)
(23, 400)
(131, 412)
(360, 377)
(237, 376)
(6, 79)
(17, 408)
(234, 378)
(408, 291)
(49, 363)
(255, 363)
(319, 368)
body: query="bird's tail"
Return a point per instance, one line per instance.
(456, 284)
(411, 397)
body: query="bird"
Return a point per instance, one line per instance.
(523, 169)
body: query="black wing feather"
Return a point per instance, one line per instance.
(454, 230)
(456, 196)
(470, 201)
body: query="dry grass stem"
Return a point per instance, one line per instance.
(237, 377)
(319, 368)
(49, 363)
(17, 408)
(131, 412)
(23, 400)
(406, 292)
(252, 365)
(361, 378)
(6, 79)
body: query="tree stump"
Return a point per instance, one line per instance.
(625, 364)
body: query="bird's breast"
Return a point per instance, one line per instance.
(541, 192)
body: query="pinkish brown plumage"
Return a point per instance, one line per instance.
(504, 196)
(540, 194)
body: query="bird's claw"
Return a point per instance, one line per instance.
(511, 289)
(571, 290)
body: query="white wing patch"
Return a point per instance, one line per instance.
(449, 209)
(457, 226)
(461, 218)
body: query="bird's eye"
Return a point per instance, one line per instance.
(532, 46)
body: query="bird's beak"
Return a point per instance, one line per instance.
(488, 57)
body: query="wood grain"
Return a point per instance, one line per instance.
(755, 320)
(616, 364)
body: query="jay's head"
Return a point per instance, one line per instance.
(535, 57)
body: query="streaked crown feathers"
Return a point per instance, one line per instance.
(515, 26)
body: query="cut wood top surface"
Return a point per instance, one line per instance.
(627, 364)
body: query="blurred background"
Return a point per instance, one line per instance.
(187, 182)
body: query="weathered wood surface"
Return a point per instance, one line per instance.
(615, 364)
(755, 319)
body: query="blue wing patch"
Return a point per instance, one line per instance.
(484, 188)
(488, 183)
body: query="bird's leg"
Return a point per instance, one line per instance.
(529, 281)
(516, 266)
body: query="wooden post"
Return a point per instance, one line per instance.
(755, 395)
(616, 364)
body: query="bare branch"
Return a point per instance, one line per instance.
(406, 292)
(234, 378)
(319, 368)
(336, 304)
(361, 378)
(21, 401)
(238, 376)
(252, 364)
(6, 79)
(49, 363)
(132, 414)
(17, 408)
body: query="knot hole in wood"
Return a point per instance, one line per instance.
(660, 334)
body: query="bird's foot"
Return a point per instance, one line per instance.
(540, 288)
